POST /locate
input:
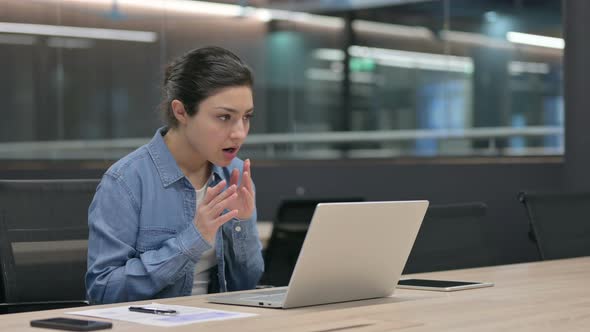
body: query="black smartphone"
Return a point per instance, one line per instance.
(69, 324)
(441, 285)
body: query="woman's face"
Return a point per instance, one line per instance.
(218, 129)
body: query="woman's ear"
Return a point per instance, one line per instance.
(179, 112)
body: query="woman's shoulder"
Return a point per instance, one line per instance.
(236, 163)
(132, 163)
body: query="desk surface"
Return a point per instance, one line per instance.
(542, 296)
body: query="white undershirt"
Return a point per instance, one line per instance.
(207, 260)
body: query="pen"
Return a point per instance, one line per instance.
(153, 311)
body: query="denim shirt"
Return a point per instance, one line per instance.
(143, 243)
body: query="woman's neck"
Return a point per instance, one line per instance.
(196, 169)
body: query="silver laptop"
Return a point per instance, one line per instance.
(352, 251)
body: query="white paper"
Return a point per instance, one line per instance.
(186, 315)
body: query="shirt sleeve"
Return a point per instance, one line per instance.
(246, 254)
(117, 272)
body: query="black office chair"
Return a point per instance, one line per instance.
(289, 230)
(451, 237)
(560, 223)
(43, 243)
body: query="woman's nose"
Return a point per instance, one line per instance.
(239, 130)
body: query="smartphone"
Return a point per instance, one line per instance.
(69, 324)
(441, 285)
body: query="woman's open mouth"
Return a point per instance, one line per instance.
(230, 150)
(230, 153)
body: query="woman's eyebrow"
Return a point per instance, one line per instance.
(232, 110)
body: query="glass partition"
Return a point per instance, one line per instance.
(334, 79)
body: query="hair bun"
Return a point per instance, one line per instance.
(168, 72)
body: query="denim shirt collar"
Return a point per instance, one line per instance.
(166, 164)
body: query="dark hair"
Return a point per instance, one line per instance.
(199, 74)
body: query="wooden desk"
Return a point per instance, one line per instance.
(542, 296)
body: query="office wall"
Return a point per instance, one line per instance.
(495, 184)
(451, 181)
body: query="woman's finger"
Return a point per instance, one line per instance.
(247, 165)
(248, 197)
(248, 173)
(222, 219)
(220, 197)
(212, 192)
(234, 177)
(247, 182)
(222, 205)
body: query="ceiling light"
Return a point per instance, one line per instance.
(535, 40)
(392, 29)
(78, 32)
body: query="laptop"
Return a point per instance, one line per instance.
(352, 251)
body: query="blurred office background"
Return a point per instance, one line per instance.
(334, 79)
(446, 100)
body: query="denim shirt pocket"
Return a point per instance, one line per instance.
(152, 238)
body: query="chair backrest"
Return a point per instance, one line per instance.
(451, 237)
(289, 230)
(300, 211)
(281, 253)
(44, 239)
(560, 223)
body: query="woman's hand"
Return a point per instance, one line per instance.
(244, 202)
(209, 217)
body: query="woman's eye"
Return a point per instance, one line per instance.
(248, 116)
(224, 117)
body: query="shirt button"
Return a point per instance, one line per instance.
(238, 228)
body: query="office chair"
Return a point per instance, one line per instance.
(451, 237)
(560, 223)
(289, 230)
(43, 243)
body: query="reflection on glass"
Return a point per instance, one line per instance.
(380, 80)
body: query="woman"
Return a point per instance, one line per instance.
(177, 216)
